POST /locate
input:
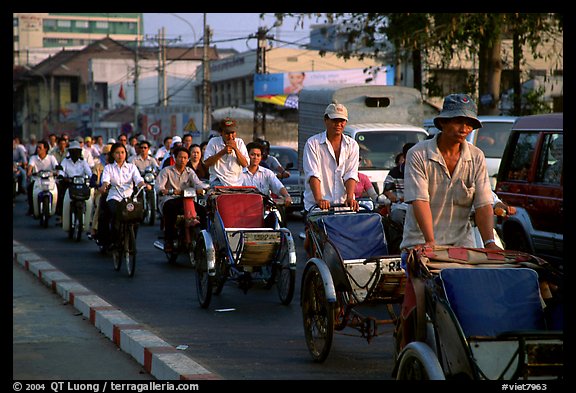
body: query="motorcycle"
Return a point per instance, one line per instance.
(45, 196)
(188, 229)
(15, 180)
(149, 197)
(77, 207)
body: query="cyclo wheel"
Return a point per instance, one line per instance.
(285, 278)
(317, 315)
(203, 280)
(129, 253)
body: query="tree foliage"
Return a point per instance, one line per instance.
(397, 37)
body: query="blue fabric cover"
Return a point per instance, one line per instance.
(488, 301)
(356, 236)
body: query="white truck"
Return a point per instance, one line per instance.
(380, 118)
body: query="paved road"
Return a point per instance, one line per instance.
(259, 339)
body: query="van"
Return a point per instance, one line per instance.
(530, 178)
(379, 144)
(491, 139)
(380, 118)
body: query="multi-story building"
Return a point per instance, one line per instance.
(39, 35)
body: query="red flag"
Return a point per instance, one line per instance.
(121, 93)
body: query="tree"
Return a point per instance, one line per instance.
(399, 37)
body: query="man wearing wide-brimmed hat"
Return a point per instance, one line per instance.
(444, 178)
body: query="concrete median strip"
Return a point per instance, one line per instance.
(159, 359)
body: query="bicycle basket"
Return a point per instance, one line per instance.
(130, 210)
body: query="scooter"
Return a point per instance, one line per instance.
(149, 197)
(188, 229)
(77, 207)
(45, 196)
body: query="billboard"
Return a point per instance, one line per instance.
(283, 88)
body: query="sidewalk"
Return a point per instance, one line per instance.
(70, 333)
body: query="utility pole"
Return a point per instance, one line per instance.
(136, 76)
(206, 91)
(260, 107)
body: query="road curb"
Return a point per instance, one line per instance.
(159, 359)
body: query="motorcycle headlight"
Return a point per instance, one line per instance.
(44, 175)
(78, 180)
(149, 177)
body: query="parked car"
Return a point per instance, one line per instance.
(531, 179)
(491, 139)
(288, 158)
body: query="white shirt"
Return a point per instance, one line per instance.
(319, 161)
(47, 163)
(263, 179)
(226, 168)
(78, 168)
(122, 180)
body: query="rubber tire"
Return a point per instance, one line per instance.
(317, 316)
(203, 280)
(130, 251)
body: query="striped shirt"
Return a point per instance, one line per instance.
(451, 197)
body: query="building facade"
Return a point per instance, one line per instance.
(39, 35)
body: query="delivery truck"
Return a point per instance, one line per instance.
(380, 118)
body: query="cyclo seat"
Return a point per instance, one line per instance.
(356, 236)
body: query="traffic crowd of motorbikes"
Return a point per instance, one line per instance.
(62, 178)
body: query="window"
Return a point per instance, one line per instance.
(522, 156)
(550, 163)
(82, 24)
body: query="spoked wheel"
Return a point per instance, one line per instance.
(203, 280)
(129, 252)
(286, 279)
(419, 363)
(317, 315)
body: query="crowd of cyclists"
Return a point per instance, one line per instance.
(116, 168)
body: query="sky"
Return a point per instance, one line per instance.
(230, 30)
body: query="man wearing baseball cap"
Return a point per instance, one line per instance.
(330, 161)
(444, 178)
(226, 155)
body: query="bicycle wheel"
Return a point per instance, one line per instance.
(286, 281)
(317, 315)
(129, 253)
(117, 250)
(203, 280)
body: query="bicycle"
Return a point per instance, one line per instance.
(128, 214)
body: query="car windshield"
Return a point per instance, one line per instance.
(285, 155)
(492, 138)
(378, 150)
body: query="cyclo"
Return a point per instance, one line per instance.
(244, 243)
(480, 314)
(349, 268)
